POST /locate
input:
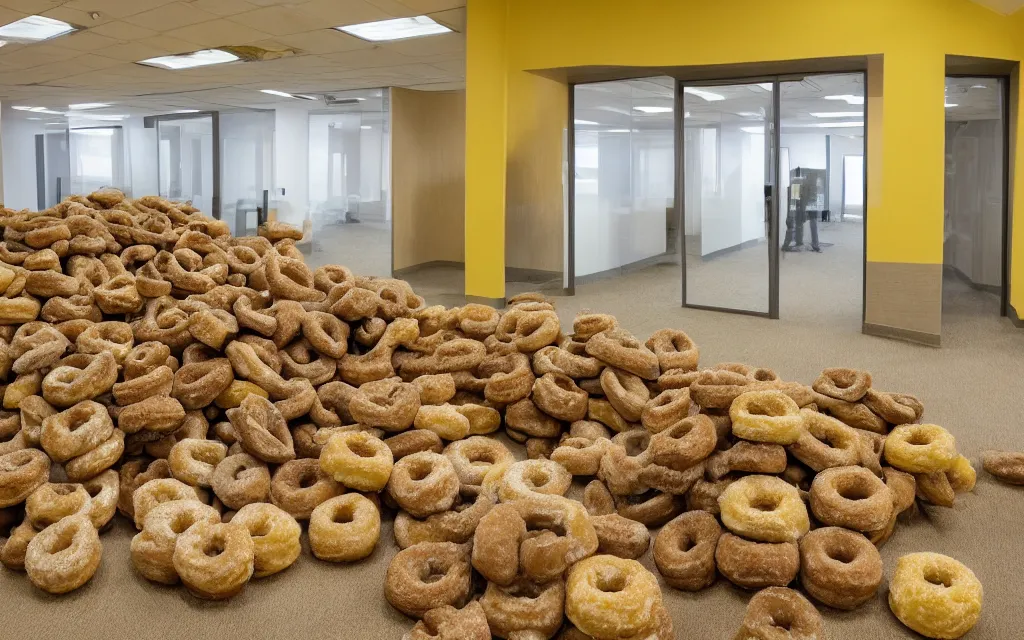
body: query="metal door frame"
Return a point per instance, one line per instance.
(152, 122)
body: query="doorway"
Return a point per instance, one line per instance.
(773, 196)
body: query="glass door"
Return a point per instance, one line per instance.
(186, 162)
(730, 213)
(97, 158)
(53, 165)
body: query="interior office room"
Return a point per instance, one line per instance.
(516, 319)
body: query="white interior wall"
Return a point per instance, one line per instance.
(806, 150)
(841, 145)
(291, 164)
(141, 157)
(734, 213)
(974, 200)
(19, 153)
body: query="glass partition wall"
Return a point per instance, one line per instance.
(186, 163)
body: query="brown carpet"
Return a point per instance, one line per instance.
(972, 386)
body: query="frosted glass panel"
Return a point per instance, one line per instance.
(247, 159)
(186, 161)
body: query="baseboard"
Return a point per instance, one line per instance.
(907, 335)
(661, 258)
(427, 265)
(963, 277)
(734, 248)
(532, 276)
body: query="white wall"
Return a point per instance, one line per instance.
(734, 213)
(291, 164)
(141, 158)
(841, 146)
(19, 154)
(806, 150)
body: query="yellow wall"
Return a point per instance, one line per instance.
(428, 154)
(912, 37)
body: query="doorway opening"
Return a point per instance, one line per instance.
(975, 220)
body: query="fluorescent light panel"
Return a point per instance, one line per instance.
(282, 94)
(849, 99)
(583, 122)
(709, 96)
(34, 29)
(397, 29)
(192, 60)
(653, 109)
(950, 105)
(186, 111)
(87, 105)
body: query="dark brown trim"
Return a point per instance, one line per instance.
(569, 283)
(907, 335)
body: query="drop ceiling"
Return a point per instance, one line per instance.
(97, 64)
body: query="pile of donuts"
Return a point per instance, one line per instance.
(217, 393)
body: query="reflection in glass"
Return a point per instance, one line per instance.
(727, 167)
(625, 178)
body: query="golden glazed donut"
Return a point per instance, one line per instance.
(935, 595)
(766, 416)
(920, 448)
(64, 555)
(214, 561)
(527, 478)
(764, 508)
(344, 529)
(357, 460)
(275, 536)
(609, 597)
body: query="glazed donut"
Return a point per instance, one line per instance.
(426, 576)
(557, 360)
(496, 544)
(854, 414)
(445, 420)
(601, 411)
(197, 384)
(159, 491)
(581, 456)
(597, 500)
(64, 555)
(665, 409)
(387, 404)
(457, 525)
(675, 349)
(851, 497)
(79, 377)
(262, 429)
(75, 431)
(435, 389)
(683, 444)
(298, 486)
(414, 441)
(620, 349)
(214, 561)
(776, 613)
(53, 501)
(652, 508)
(21, 473)
(684, 550)
(239, 480)
(935, 595)
(935, 488)
(193, 461)
(1007, 466)
(357, 460)
(920, 448)
(849, 385)
(587, 325)
(449, 623)
(152, 549)
(473, 457)
(609, 597)
(826, 443)
(524, 609)
(423, 484)
(894, 408)
(157, 382)
(526, 418)
(528, 478)
(275, 537)
(326, 333)
(509, 377)
(151, 418)
(717, 389)
(839, 568)
(766, 416)
(747, 457)
(558, 396)
(756, 565)
(528, 328)
(626, 392)
(764, 508)
(104, 491)
(477, 321)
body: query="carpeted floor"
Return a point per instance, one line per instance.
(971, 386)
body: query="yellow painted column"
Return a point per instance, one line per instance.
(906, 138)
(1016, 258)
(486, 143)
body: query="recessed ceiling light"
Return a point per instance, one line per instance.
(749, 114)
(653, 109)
(707, 95)
(39, 110)
(33, 118)
(101, 116)
(752, 129)
(978, 86)
(186, 111)
(365, 126)
(23, 108)
(191, 60)
(686, 115)
(583, 122)
(282, 94)
(94, 132)
(397, 29)
(850, 99)
(950, 105)
(616, 130)
(87, 105)
(34, 29)
(838, 114)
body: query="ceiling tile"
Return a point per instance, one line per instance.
(278, 21)
(217, 33)
(84, 41)
(455, 65)
(323, 41)
(393, 7)
(454, 19)
(173, 45)
(132, 51)
(77, 17)
(448, 43)
(8, 16)
(334, 13)
(113, 8)
(430, 6)
(30, 7)
(375, 56)
(35, 55)
(170, 16)
(223, 7)
(123, 31)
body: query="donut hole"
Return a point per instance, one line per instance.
(537, 477)
(213, 547)
(181, 522)
(611, 581)
(63, 541)
(344, 514)
(635, 445)
(433, 571)
(237, 475)
(63, 489)
(260, 528)
(482, 458)
(766, 502)
(781, 620)
(938, 577)
(420, 470)
(540, 525)
(306, 480)
(362, 449)
(94, 490)
(841, 554)
(685, 543)
(854, 491)
(919, 439)
(770, 409)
